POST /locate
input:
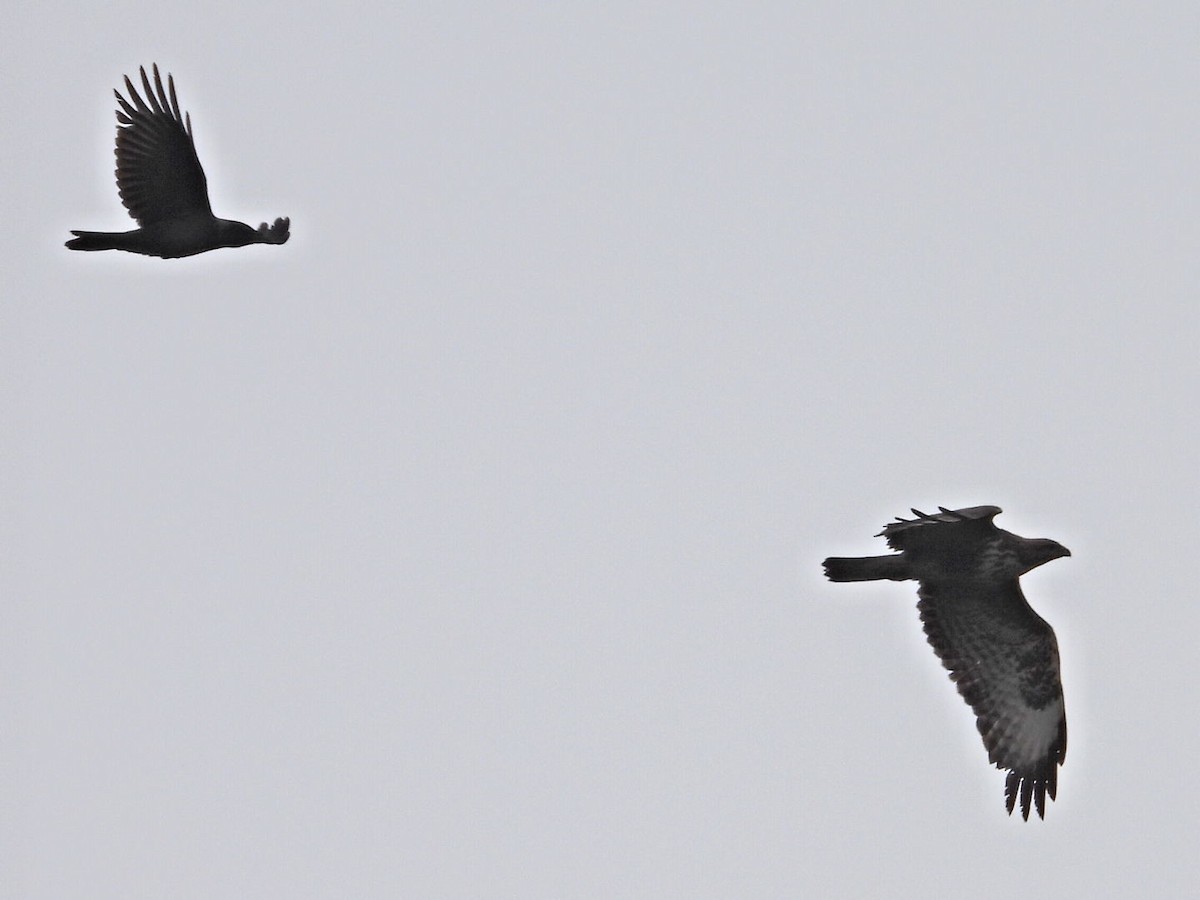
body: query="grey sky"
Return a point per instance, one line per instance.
(469, 544)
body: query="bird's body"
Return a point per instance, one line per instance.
(173, 239)
(162, 184)
(1000, 653)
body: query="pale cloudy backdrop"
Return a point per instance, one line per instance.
(469, 544)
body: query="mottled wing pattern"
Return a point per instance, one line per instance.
(159, 175)
(1004, 659)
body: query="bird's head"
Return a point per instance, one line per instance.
(275, 234)
(1034, 552)
(239, 234)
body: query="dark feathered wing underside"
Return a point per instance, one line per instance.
(1004, 660)
(159, 175)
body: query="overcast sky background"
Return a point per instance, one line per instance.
(469, 544)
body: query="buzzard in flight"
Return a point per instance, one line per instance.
(1000, 653)
(163, 186)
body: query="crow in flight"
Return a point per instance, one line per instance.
(163, 186)
(1000, 653)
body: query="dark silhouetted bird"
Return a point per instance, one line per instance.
(1000, 653)
(162, 184)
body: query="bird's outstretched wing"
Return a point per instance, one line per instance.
(1004, 659)
(972, 524)
(159, 176)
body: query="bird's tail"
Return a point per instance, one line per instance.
(97, 240)
(867, 568)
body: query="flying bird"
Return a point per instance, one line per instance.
(162, 184)
(1000, 653)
